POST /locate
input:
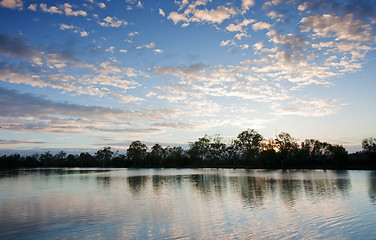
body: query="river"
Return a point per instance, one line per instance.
(187, 204)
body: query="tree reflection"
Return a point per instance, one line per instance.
(137, 183)
(104, 181)
(372, 187)
(256, 189)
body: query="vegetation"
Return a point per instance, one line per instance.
(248, 150)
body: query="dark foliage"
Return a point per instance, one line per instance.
(249, 150)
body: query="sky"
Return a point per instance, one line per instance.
(81, 75)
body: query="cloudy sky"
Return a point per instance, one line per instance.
(81, 75)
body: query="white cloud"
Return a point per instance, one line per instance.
(192, 14)
(65, 26)
(340, 28)
(110, 49)
(32, 7)
(69, 12)
(123, 50)
(245, 46)
(246, 4)
(150, 45)
(213, 16)
(261, 25)
(83, 33)
(13, 4)
(51, 9)
(131, 36)
(239, 36)
(309, 108)
(112, 22)
(66, 8)
(258, 46)
(161, 12)
(102, 5)
(30, 113)
(239, 27)
(77, 30)
(227, 42)
(157, 51)
(274, 14)
(176, 17)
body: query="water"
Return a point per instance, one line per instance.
(187, 204)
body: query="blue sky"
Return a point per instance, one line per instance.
(81, 75)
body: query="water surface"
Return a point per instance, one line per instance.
(187, 204)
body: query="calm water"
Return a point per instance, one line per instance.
(187, 204)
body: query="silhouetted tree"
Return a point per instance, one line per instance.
(338, 156)
(369, 145)
(176, 157)
(249, 142)
(104, 156)
(46, 159)
(72, 161)
(87, 160)
(60, 159)
(136, 153)
(287, 147)
(313, 152)
(156, 156)
(198, 150)
(216, 153)
(268, 156)
(369, 150)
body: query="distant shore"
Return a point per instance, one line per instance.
(250, 151)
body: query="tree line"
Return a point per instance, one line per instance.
(249, 150)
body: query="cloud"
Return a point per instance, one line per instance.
(150, 45)
(291, 42)
(131, 36)
(261, 25)
(27, 112)
(174, 125)
(102, 5)
(110, 49)
(69, 12)
(309, 108)
(133, 4)
(158, 51)
(239, 27)
(78, 30)
(192, 70)
(13, 4)
(32, 7)
(50, 10)
(246, 4)
(258, 46)
(112, 22)
(176, 17)
(227, 42)
(274, 14)
(65, 26)
(161, 12)
(20, 142)
(83, 33)
(361, 9)
(340, 28)
(239, 36)
(18, 48)
(193, 14)
(213, 16)
(173, 93)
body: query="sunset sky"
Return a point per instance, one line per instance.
(80, 75)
